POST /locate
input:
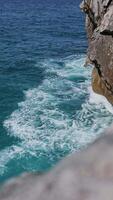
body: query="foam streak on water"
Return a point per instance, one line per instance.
(62, 115)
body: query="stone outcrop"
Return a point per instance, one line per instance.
(86, 175)
(99, 26)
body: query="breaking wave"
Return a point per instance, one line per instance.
(60, 116)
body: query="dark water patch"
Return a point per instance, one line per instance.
(31, 34)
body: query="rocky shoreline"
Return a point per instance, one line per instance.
(99, 26)
(86, 175)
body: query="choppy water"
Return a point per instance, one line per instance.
(47, 107)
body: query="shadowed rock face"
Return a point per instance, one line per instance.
(86, 175)
(99, 25)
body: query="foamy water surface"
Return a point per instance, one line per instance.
(60, 116)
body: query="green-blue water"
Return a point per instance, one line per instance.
(47, 108)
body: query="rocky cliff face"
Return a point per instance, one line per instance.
(99, 25)
(87, 175)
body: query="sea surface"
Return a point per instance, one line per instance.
(47, 107)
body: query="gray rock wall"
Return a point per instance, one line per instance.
(87, 175)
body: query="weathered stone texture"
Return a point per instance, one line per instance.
(100, 36)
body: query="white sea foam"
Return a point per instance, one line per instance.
(99, 99)
(45, 119)
(7, 154)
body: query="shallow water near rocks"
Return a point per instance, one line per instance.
(48, 109)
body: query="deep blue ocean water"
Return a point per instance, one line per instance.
(47, 107)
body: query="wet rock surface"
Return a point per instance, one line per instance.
(99, 26)
(84, 175)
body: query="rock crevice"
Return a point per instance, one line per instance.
(99, 26)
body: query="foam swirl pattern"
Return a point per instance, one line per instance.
(60, 116)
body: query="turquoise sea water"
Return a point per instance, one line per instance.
(47, 107)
